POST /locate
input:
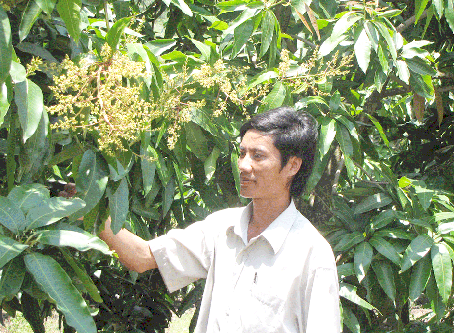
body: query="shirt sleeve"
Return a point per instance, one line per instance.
(322, 313)
(183, 256)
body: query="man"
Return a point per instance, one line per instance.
(267, 269)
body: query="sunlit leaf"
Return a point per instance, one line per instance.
(417, 249)
(442, 266)
(9, 249)
(420, 275)
(6, 48)
(385, 277)
(362, 258)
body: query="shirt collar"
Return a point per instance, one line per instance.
(277, 231)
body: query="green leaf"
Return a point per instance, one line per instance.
(385, 277)
(363, 258)
(205, 50)
(52, 210)
(54, 280)
(386, 249)
(375, 201)
(275, 98)
(419, 66)
(6, 48)
(349, 292)
(260, 78)
(348, 241)
(169, 193)
(379, 129)
(28, 196)
(183, 6)
(435, 299)
(394, 234)
(384, 32)
(241, 36)
(235, 169)
(420, 275)
(350, 320)
(442, 266)
(268, 23)
(4, 102)
(91, 181)
(449, 14)
(115, 32)
(232, 5)
(404, 182)
(422, 85)
(83, 277)
(425, 196)
(337, 36)
(73, 237)
(69, 11)
(9, 249)
(148, 165)
(29, 16)
(13, 274)
(46, 5)
(196, 141)
(417, 249)
(327, 134)
(345, 270)
(362, 49)
(344, 139)
(383, 219)
(11, 216)
(210, 163)
(119, 205)
(402, 70)
(29, 100)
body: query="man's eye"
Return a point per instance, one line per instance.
(258, 156)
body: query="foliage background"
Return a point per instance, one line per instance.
(139, 103)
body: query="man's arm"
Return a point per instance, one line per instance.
(132, 250)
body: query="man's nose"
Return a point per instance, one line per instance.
(244, 164)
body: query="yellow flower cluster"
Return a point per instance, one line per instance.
(103, 98)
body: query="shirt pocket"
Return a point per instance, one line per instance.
(263, 311)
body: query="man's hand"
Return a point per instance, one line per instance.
(69, 191)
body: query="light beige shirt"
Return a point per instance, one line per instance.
(283, 280)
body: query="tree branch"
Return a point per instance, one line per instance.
(410, 21)
(304, 41)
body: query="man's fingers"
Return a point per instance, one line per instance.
(70, 188)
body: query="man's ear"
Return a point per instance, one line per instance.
(293, 165)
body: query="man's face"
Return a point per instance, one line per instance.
(259, 162)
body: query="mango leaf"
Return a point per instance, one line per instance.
(260, 78)
(9, 249)
(420, 275)
(436, 302)
(91, 181)
(385, 277)
(363, 257)
(46, 5)
(210, 163)
(346, 269)
(169, 193)
(205, 50)
(268, 23)
(417, 249)
(83, 276)
(11, 216)
(182, 5)
(29, 16)
(148, 165)
(52, 210)
(394, 233)
(402, 70)
(13, 274)
(119, 205)
(344, 139)
(442, 266)
(54, 280)
(73, 237)
(422, 85)
(341, 26)
(28, 196)
(350, 320)
(445, 228)
(379, 129)
(362, 49)
(384, 32)
(327, 134)
(6, 48)
(349, 292)
(348, 241)
(375, 201)
(115, 32)
(449, 14)
(386, 249)
(425, 196)
(241, 36)
(29, 100)
(419, 66)
(4, 102)
(196, 140)
(275, 98)
(69, 11)
(383, 219)
(235, 169)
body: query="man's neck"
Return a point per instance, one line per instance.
(265, 211)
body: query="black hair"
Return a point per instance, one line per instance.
(294, 134)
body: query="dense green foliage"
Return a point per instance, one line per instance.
(139, 104)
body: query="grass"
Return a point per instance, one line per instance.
(18, 324)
